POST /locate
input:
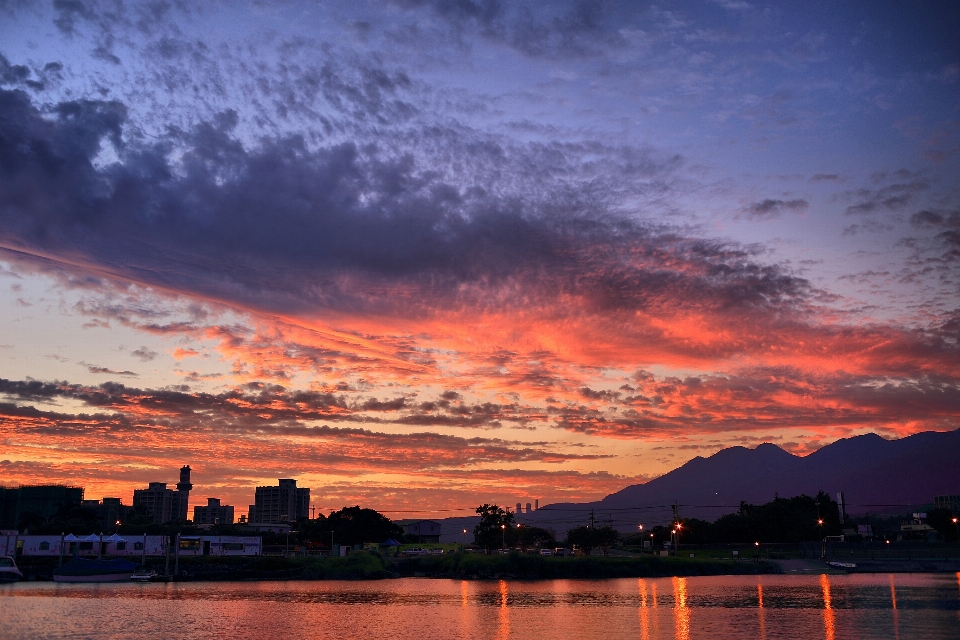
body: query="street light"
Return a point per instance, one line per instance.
(464, 539)
(503, 531)
(957, 527)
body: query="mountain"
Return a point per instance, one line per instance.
(875, 474)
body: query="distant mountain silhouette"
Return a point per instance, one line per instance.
(876, 476)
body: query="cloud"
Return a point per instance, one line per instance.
(144, 354)
(105, 370)
(826, 177)
(893, 196)
(772, 208)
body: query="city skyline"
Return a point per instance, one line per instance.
(427, 255)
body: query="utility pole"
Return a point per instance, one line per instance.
(313, 512)
(593, 519)
(176, 557)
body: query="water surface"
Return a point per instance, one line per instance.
(716, 607)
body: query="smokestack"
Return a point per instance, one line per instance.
(519, 509)
(528, 507)
(536, 504)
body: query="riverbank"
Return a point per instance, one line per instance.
(372, 566)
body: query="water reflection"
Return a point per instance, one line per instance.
(893, 603)
(503, 629)
(718, 608)
(682, 612)
(760, 612)
(644, 613)
(828, 621)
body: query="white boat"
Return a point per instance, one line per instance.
(144, 575)
(8, 570)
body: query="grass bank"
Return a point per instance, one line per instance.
(516, 565)
(372, 566)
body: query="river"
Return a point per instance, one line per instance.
(719, 607)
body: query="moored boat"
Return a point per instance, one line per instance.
(9, 572)
(143, 574)
(84, 570)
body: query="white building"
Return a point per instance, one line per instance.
(134, 546)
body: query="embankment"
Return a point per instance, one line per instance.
(372, 566)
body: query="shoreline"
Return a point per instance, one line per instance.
(470, 566)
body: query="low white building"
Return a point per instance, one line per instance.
(131, 546)
(221, 545)
(134, 546)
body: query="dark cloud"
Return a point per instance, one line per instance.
(145, 354)
(284, 226)
(929, 218)
(893, 196)
(106, 370)
(825, 177)
(772, 208)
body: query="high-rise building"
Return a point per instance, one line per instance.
(162, 504)
(282, 503)
(43, 501)
(213, 513)
(109, 511)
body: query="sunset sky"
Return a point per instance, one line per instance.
(421, 255)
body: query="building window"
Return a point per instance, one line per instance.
(121, 546)
(44, 546)
(138, 546)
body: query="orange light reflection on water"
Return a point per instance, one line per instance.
(681, 611)
(761, 614)
(644, 614)
(828, 621)
(503, 630)
(896, 614)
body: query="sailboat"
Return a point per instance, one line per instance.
(99, 570)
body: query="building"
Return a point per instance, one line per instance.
(162, 504)
(282, 503)
(42, 501)
(950, 503)
(422, 530)
(141, 545)
(213, 513)
(109, 511)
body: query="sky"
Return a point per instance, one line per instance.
(423, 255)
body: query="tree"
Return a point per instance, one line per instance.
(590, 538)
(350, 526)
(942, 521)
(532, 537)
(494, 521)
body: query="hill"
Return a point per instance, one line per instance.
(875, 474)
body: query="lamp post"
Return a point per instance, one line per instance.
(503, 542)
(823, 544)
(957, 526)
(464, 545)
(757, 547)
(651, 544)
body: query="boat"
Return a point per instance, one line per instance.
(144, 574)
(84, 570)
(8, 570)
(842, 565)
